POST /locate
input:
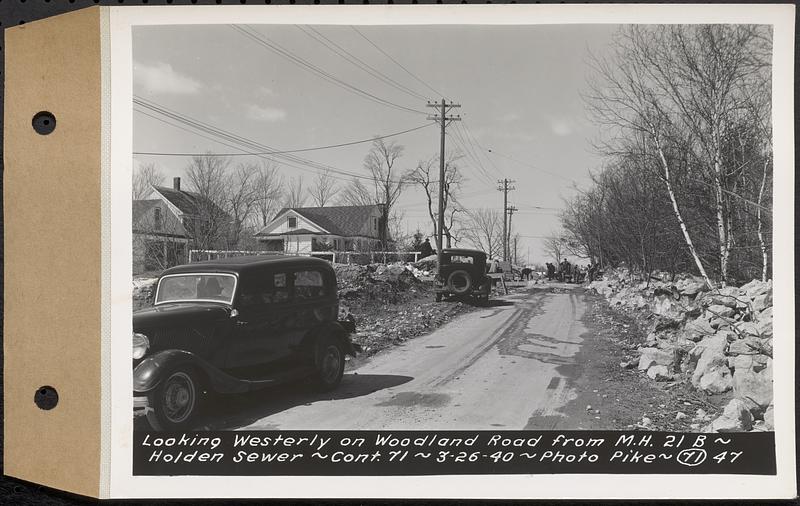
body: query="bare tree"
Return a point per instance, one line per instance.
(324, 188)
(684, 103)
(387, 180)
(295, 196)
(397, 230)
(356, 193)
(426, 176)
(241, 199)
(269, 189)
(145, 177)
(484, 230)
(554, 247)
(209, 225)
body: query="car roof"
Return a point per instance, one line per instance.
(238, 265)
(461, 251)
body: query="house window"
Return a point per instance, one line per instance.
(292, 222)
(157, 218)
(375, 223)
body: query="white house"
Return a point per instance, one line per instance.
(337, 228)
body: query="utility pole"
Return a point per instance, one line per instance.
(443, 119)
(510, 210)
(505, 188)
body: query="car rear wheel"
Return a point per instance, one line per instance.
(459, 282)
(329, 364)
(174, 404)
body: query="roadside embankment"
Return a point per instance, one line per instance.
(717, 341)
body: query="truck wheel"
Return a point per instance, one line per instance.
(438, 297)
(329, 364)
(459, 282)
(175, 402)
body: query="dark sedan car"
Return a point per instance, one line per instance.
(463, 273)
(232, 326)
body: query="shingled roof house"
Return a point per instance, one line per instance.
(170, 223)
(338, 228)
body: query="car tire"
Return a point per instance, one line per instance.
(175, 402)
(329, 359)
(459, 282)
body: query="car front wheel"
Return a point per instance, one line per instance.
(329, 364)
(174, 403)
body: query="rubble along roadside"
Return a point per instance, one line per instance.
(712, 343)
(390, 303)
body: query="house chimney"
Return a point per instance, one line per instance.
(176, 183)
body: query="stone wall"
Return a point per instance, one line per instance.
(719, 339)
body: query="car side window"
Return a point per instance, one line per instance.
(280, 289)
(459, 259)
(264, 290)
(308, 285)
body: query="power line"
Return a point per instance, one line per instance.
(397, 63)
(251, 146)
(305, 64)
(244, 151)
(483, 150)
(471, 147)
(532, 166)
(330, 146)
(470, 160)
(358, 62)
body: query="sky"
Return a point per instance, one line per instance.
(519, 88)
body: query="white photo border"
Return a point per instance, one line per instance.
(117, 261)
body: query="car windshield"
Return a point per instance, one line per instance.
(196, 287)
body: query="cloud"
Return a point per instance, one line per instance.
(561, 127)
(161, 78)
(509, 117)
(265, 92)
(265, 114)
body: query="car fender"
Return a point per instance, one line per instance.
(151, 371)
(335, 329)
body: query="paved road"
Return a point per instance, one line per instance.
(503, 367)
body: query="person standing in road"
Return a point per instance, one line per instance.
(425, 249)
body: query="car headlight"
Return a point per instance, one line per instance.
(140, 345)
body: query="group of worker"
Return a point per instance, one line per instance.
(571, 273)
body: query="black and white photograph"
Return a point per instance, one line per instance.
(510, 229)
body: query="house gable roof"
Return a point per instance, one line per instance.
(141, 225)
(345, 221)
(187, 202)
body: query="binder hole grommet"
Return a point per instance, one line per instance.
(46, 397)
(44, 122)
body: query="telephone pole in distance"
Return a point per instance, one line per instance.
(443, 119)
(510, 210)
(505, 187)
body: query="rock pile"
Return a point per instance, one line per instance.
(720, 340)
(382, 282)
